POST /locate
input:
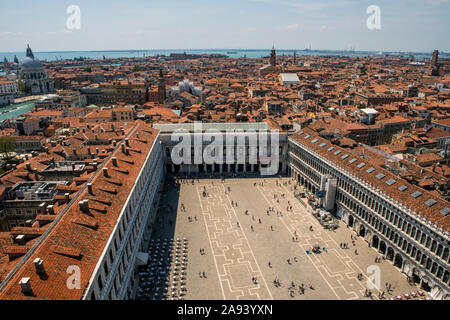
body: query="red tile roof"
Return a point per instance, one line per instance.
(79, 239)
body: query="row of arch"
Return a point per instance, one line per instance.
(312, 168)
(398, 259)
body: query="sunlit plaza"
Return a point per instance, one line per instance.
(256, 247)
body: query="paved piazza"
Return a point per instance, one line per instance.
(235, 254)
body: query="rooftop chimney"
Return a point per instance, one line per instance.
(20, 239)
(114, 161)
(84, 205)
(28, 166)
(39, 266)
(127, 142)
(105, 172)
(25, 285)
(67, 195)
(50, 209)
(89, 185)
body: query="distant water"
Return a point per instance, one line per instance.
(19, 109)
(54, 55)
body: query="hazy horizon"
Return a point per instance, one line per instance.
(223, 49)
(405, 25)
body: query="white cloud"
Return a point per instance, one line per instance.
(9, 33)
(292, 26)
(438, 1)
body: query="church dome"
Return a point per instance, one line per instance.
(31, 63)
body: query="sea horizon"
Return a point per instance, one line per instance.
(233, 53)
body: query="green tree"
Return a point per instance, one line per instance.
(88, 69)
(138, 68)
(7, 145)
(23, 87)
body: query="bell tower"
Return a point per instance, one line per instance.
(6, 65)
(161, 88)
(273, 57)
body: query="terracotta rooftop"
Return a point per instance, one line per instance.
(418, 204)
(78, 238)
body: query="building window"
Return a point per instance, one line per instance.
(99, 281)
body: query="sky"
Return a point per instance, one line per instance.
(405, 25)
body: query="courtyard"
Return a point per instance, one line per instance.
(245, 252)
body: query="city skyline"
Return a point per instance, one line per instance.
(255, 24)
(304, 156)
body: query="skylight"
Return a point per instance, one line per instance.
(430, 202)
(390, 182)
(416, 194)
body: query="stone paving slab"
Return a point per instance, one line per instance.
(235, 254)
